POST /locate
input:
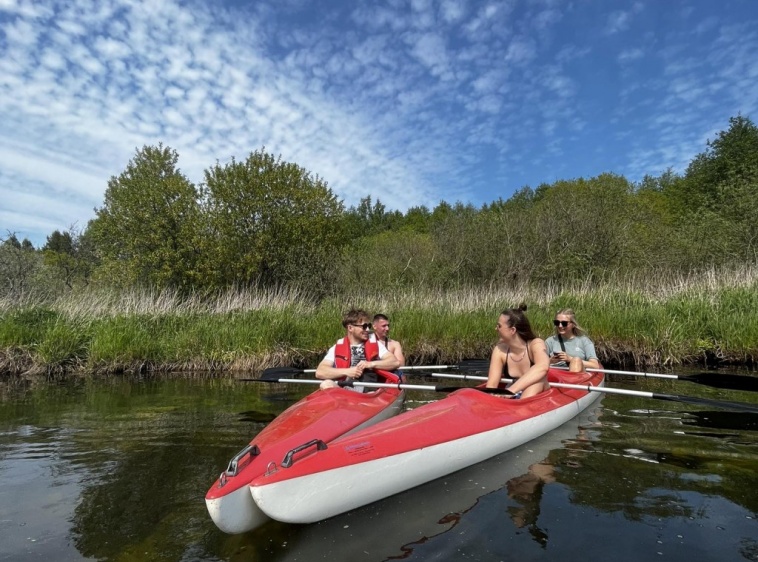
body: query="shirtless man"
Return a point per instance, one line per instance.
(381, 325)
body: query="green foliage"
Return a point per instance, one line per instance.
(146, 231)
(25, 327)
(70, 256)
(680, 322)
(20, 264)
(269, 222)
(717, 199)
(730, 157)
(390, 261)
(63, 345)
(368, 220)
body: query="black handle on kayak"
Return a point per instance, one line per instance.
(288, 458)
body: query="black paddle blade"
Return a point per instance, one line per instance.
(724, 404)
(724, 380)
(273, 373)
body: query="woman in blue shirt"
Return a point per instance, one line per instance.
(570, 346)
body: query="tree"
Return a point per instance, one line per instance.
(270, 221)
(146, 230)
(729, 158)
(366, 219)
(584, 227)
(19, 263)
(717, 200)
(69, 255)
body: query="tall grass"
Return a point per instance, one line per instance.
(655, 320)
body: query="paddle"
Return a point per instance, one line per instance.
(401, 386)
(465, 365)
(729, 381)
(724, 404)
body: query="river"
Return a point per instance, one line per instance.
(117, 469)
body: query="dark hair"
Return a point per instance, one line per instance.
(354, 316)
(378, 317)
(517, 319)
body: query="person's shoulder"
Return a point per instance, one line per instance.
(500, 347)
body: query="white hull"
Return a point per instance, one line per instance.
(324, 494)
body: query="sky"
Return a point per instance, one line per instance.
(411, 102)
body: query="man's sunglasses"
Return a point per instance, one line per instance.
(365, 326)
(563, 323)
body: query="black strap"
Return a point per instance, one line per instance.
(560, 341)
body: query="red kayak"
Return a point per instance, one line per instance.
(320, 417)
(417, 446)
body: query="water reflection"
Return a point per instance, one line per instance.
(117, 470)
(527, 491)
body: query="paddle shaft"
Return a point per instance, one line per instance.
(401, 386)
(273, 373)
(740, 406)
(729, 381)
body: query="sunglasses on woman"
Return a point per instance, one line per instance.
(563, 323)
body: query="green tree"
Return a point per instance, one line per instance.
(730, 158)
(584, 227)
(70, 257)
(146, 230)
(399, 259)
(19, 265)
(270, 222)
(718, 197)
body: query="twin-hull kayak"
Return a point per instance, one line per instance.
(319, 418)
(420, 445)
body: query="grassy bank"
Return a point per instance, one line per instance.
(652, 321)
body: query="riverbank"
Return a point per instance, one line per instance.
(702, 319)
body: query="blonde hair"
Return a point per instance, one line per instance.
(578, 330)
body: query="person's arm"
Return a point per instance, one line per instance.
(327, 370)
(589, 352)
(552, 353)
(397, 351)
(387, 362)
(497, 361)
(537, 372)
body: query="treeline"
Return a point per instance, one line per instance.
(268, 223)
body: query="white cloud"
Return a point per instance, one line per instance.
(416, 102)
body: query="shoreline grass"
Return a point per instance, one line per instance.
(658, 320)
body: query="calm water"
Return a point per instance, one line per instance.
(117, 471)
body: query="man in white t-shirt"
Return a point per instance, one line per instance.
(355, 353)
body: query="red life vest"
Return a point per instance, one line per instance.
(342, 352)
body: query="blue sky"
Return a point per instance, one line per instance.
(409, 101)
